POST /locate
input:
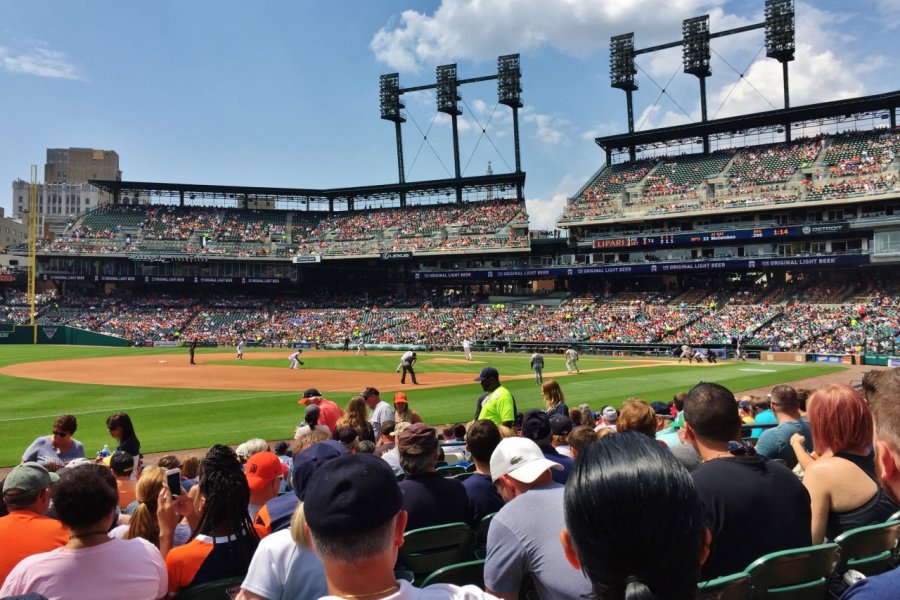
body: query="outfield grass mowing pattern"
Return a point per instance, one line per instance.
(171, 419)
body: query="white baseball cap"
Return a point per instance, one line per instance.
(521, 459)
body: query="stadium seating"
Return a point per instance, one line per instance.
(797, 574)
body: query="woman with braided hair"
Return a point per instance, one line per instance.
(224, 538)
(608, 535)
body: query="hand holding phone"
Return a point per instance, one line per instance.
(173, 480)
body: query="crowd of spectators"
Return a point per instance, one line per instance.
(325, 516)
(808, 317)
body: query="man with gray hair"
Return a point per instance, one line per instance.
(428, 498)
(355, 520)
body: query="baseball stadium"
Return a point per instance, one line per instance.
(764, 248)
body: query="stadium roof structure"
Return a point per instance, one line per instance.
(308, 196)
(834, 112)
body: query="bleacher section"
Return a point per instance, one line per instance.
(852, 165)
(166, 230)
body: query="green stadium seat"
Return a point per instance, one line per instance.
(727, 587)
(428, 549)
(466, 573)
(796, 574)
(868, 549)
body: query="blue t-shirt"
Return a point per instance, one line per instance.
(776, 442)
(766, 417)
(42, 451)
(881, 587)
(483, 496)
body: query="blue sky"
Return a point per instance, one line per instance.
(286, 93)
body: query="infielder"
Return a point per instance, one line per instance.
(572, 360)
(360, 347)
(295, 359)
(686, 353)
(240, 350)
(537, 365)
(467, 348)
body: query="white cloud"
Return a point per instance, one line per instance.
(550, 129)
(888, 13)
(474, 30)
(543, 212)
(41, 62)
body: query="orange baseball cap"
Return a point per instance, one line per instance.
(261, 469)
(400, 397)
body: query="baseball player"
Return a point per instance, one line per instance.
(406, 364)
(240, 350)
(360, 347)
(295, 359)
(686, 353)
(467, 348)
(537, 365)
(572, 360)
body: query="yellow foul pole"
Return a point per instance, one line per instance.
(32, 245)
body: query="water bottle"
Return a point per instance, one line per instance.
(105, 452)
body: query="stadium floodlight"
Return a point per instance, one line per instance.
(621, 62)
(780, 30)
(509, 81)
(447, 85)
(695, 46)
(389, 93)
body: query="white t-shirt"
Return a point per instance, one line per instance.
(438, 591)
(282, 569)
(113, 570)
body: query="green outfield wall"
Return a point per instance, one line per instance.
(58, 335)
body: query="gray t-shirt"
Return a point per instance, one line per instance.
(776, 442)
(42, 451)
(282, 569)
(381, 413)
(524, 538)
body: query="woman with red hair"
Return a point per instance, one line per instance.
(843, 488)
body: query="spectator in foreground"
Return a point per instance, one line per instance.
(842, 484)
(276, 514)
(264, 475)
(481, 440)
(86, 504)
(381, 410)
(26, 492)
(560, 428)
(402, 412)
(55, 450)
(311, 417)
(776, 442)
(120, 428)
(631, 556)
(499, 405)
(636, 415)
(329, 411)
(428, 498)
(882, 388)
(284, 566)
(523, 538)
(122, 466)
(225, 539)
(554, 399)
(579, 439)
(356, 417)
(536, 427)
(386, 441)
(743, 493)
(355, 521)
(144, 522)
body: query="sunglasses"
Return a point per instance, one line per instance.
(61, 433)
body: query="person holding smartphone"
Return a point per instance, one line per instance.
(55, 450)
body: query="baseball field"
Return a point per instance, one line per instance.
(175, 405)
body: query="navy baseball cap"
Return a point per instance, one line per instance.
(536, 425)
(487, 373)
(351, 494)
(308, 462)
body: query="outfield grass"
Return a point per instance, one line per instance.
(172, 419)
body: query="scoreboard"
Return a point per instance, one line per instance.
(731, 235)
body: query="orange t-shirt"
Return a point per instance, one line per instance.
(33, 534)
(126, 492)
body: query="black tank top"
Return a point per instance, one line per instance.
(876, 509)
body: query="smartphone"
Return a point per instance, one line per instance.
(173, 480)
